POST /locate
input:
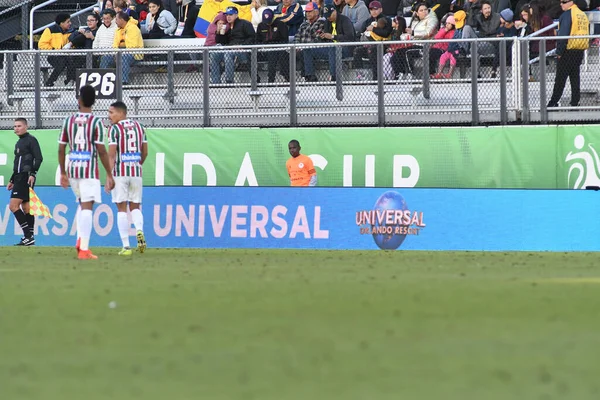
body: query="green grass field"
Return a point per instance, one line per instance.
(257, 324)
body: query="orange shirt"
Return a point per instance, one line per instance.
(300, 169)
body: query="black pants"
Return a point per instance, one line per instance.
(403, 59)
(567, 66)
(21, 187)
(281, 58)
(434, 59)
(59, 63)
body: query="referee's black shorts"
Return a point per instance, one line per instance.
(21, 188)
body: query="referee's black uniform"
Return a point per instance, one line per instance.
(28, 158)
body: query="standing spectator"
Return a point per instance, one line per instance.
(274, 31)
(291, 13)
(258, 6)
(507, 29)
(358, 13)
(239, 32)
(28, 158)
(572, 22)
(159, 22)
(309, 32)
(128, 36)
(301, 169)
(55, 38)
(338, 28)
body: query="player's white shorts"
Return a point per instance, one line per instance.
(127, 189)
(87, 190)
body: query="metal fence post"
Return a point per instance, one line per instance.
(37, 91)
(89, 60)
(474, 75)
(171, 76)
(24, 26)
(503, 108)
(119, 75)
(543, 104)
(339, 90)
(293, 111)
(10, 76)
(380, 89)
(426, 71)
(205, 87)
(254, 68)
(525, 80)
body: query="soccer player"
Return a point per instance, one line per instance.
(84, 133)
(300, 167)
(28, 158)
(127, 149)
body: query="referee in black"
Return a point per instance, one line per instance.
(28, 158)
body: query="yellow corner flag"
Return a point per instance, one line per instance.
(36, 207)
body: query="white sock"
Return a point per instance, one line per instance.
(138, 219)
(78, 222)
(123, 224)
(85, 230)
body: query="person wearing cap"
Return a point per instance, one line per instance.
(309, 32)
(240, 32)
(507, 29)
(290, 13)
(375, 32)
(358, 13)
(569, 53)
(338, 28)
(461, 29)
(274, 31)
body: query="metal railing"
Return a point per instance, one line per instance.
(267, 85)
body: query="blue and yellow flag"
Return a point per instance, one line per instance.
(210, 9)
(36, 207)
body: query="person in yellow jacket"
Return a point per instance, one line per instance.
(572, 22)
(56, 37)
(128, 36)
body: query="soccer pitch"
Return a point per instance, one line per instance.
(256, 324)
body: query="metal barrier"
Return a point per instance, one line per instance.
(339, 84)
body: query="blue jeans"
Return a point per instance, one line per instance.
(328, 53)
(228, 59)
(128, 60)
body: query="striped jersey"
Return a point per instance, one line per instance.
(82, 131)
(128, 136)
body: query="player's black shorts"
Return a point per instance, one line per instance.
(20, 188)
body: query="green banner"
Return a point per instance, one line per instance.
(499, 157)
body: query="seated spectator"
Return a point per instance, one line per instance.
(84, 39)
(127, 36)
(507, 29)
(338, 28)
(439, 48)
(338, 4)
(291, 14)
(56, 37)
(394, 65)
(446, 57)
(441, 8)
(121, 5)
(274, 31)
(377, 27)
(472, 8)
(105, 36)
(310, 31)
(462, 31)
(107, 4)
(258, 6)
(238, 32)
(141, 8)
(358, 13)
(487, 24)
(159, 22)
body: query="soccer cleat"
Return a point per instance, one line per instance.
(125, 251)
(141, 241)
(78, 244)
(86, 255)
(26, 242)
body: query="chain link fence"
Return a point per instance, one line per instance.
(495, 81)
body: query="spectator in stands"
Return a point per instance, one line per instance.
(462, 31)
(274, 31)
(442, 8)
(358, 13)
(217, 31)
(446, 57)
(572, 22)
(375, 28)
(439, 48)
(121, 6)
(424, 24)
(258, 6)
(83, 39)
(309, 32)
(141, 8)
(533, 20)
(240, 32)
(507, 29)
(159, 22)
(56, 37)
(398, 63)
(105, 36)
(499, 5)
(173, 6)
(291, 13)
(487, 24)
(473, 9)
(338, 28)
(108, 4)
(339, 6)
(127, 36)
(391, 8)
(405, 8)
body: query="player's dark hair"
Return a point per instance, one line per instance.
(87, 94)
(23, 120)
(123, 15)
(110, 12)
(119, 105)
(297, 143)
(61, 17)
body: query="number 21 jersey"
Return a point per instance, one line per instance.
(82, 131)
(128, 136)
